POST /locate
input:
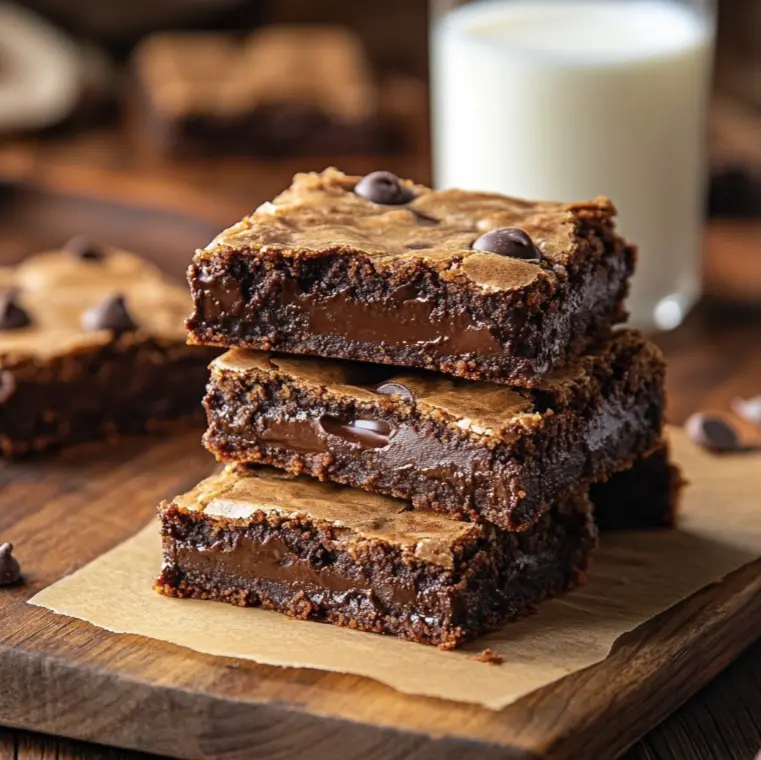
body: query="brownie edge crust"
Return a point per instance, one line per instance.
(323, 271)
(325, 553)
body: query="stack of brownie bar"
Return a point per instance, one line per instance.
(421, 388)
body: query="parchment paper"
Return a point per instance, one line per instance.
(634, 576)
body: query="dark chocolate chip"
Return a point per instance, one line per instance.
(12, 316)
(7, 385)
(384, 188)
(110, 314)
(414, 246)
(395, 389)
(748, 408)
(712, 432)
(508, 241)
(83, 248)
(10, 571)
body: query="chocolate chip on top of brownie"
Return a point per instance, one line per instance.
(57, 290)
(92, 344)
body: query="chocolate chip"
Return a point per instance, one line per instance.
(508, 241)
(12, 316)
(84, 249)
(384, 188)
(7, 385)
(395, 389)
(415, 246)
(10, 571)
(748, 408)
(712, 432)
(110, 314)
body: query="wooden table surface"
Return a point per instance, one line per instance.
(713, 357)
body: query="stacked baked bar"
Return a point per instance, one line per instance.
(421, 388)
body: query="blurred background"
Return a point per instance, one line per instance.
(125, 121)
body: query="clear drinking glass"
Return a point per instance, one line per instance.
(570, 99)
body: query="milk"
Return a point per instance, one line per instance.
(570, 99)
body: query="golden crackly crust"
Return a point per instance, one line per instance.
(320, 214)
(238, 494)
(486, 410)
(55, 289)
(205, 73)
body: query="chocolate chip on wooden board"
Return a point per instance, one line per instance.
(10, 571)
(721, 431)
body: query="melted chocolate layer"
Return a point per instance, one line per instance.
(476, 451)
(344, 557)
(272, 560)
(322, 271)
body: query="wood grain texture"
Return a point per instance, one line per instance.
(62, 676)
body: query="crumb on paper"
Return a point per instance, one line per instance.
(489, 656)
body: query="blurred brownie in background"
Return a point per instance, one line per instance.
(92, 345)
(282, 90)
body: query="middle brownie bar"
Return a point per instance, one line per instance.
(473, 450)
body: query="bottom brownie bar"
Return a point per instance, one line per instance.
(329, 553)
(644, 496)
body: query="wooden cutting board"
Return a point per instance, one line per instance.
(66, 677)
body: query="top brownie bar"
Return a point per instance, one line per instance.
(378, 269)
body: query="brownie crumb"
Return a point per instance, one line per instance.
(489, 656)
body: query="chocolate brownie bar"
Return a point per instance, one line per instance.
(283, 90)
(474, 450)
(91, 345)
(381, 270)
(328, 553)
(644, 496)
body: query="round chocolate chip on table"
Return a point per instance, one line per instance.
(10, 571)
(83, 248)
(508, 241)
(395, 389)
(712, 432)
(384, 188)
(110, 314)
(748, 408)
(12, 316)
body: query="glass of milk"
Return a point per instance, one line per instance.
(570, 99)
